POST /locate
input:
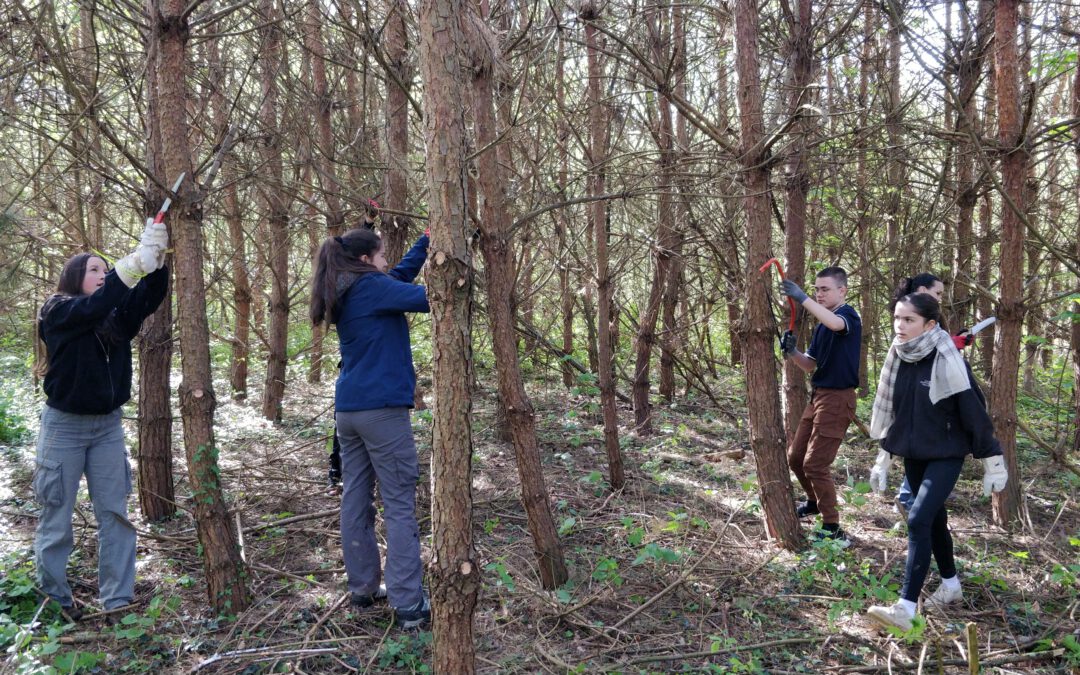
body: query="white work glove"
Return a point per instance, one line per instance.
(879, 474)
(152, 245)
(996, 475)
(147, 257)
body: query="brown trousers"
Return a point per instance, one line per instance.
(814, 447)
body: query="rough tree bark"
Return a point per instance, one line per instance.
(801, 75)
(496, 244)
(756, 331)
(1074, 332)
(971, 57)
(663, 132)
(225, 570)
(325, 165)
(1010, 304)
(590, 13)
(396, 125)
(276, 200)
(241, 285)
(455, 574)
(673, 338)
(157, 495)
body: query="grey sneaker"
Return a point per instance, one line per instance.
(366, 600)
(417, 616)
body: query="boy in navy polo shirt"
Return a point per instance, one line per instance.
(833, 358)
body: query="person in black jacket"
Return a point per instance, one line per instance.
(929, 411)
(87, 328)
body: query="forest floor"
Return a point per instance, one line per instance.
(673, 574)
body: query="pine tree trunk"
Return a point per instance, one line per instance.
(801, 58)
(157, 495)
(1074, 332)
(766, 429)
(496, 244)
(605, 290)
(396, 180)
(277, 205)
(1010, 300)
(664, 133)
(971, 60)
(224, 569)
(455, 573)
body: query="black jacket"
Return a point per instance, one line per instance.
(89, 342)
(953, 428)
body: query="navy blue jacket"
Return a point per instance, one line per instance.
(88, 338)
(837, 352)
(376, 356)
(951, 429)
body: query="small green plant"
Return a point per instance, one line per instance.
(12, 425)
(490, 525)
(567, 525)
(406, 652)
(607, 570)
(657, 553)
(30, 629)
(829, 567)
(504, 578)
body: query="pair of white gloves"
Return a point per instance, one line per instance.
(994, 479)
(147, 257)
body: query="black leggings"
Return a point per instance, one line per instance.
(928, 523)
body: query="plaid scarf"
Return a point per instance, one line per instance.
(948, 375)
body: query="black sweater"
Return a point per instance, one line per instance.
(89, 342)
(951, 429)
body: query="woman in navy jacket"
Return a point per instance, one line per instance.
(87, 328)
(374, 393)
(929, 411)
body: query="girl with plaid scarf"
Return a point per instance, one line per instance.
(928, 410)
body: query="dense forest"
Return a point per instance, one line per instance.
(602, 409)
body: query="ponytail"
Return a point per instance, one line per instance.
(339, 256)
(908, 285)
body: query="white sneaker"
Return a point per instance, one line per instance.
(943, 597)
(893, 616)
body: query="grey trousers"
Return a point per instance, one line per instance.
(378, 444)
(68, 446)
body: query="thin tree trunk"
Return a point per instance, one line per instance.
(766, 428)
(276, 201)
(1010, 300)
(987, 239)
(674, 335)
(496, 244)
(562, 219)
(590, 13)
(225, 570)
(157, 495)
(1074, 332)
(801, 58)
(971, 60)
(866, 233)
(396, 180)
(455, 574)
(893, 127)
(664, 133)
(324, 160)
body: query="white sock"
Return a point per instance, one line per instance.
(908, 606)
(952, 583)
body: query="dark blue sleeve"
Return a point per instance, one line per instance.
(396, 297)
(142, 301)
(85, 311)
(410, 264)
